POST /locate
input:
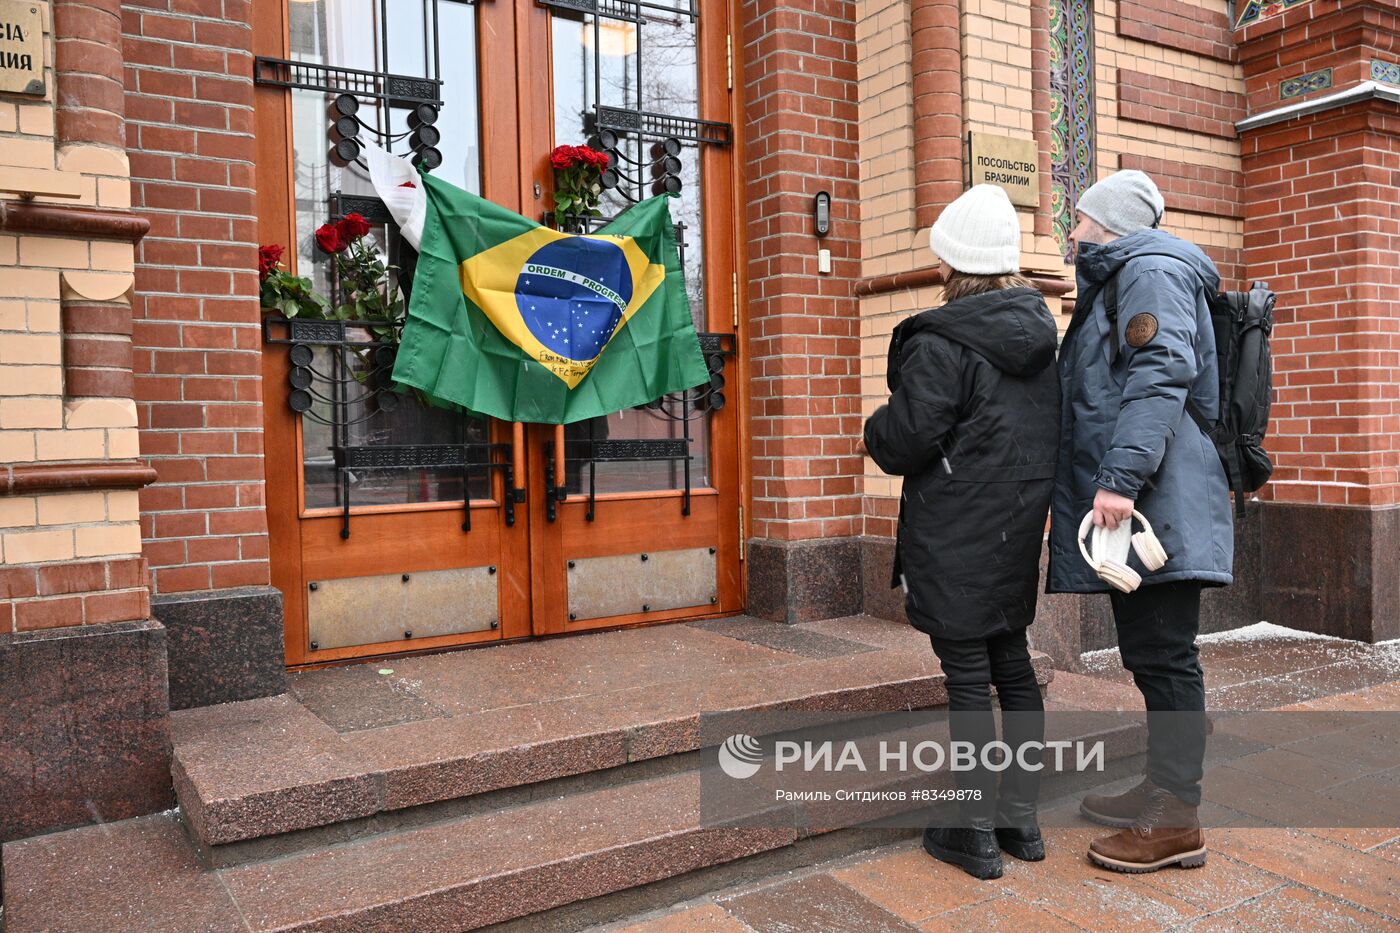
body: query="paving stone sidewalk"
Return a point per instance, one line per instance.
(1255, 879)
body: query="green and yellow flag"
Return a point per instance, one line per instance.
(512, 319)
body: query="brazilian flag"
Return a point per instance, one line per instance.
(515, 320)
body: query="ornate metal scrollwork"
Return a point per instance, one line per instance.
(662, 125)
(630, 11)
(589, 452)
(356, 369)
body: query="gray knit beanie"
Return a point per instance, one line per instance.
(1123, 203)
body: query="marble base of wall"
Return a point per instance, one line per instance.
(802, 581)
(224, 645)
(85, 726)
(1332, 570)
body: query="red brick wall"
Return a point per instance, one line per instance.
(86, 593)
(1343, 38)
(804, 330)
(196, 330)
(1179, 26)
(1199, 189)
(1188, 186)
(1323, 227)
(1179, 104)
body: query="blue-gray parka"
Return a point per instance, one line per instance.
(1123, 424)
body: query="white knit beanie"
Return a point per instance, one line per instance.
(978, 233)
(1123, 203)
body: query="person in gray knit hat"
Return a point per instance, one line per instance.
(1123, 203)
(1140, 349)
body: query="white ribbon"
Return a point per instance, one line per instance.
(407, 203)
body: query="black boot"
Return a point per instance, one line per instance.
(974, 850)
(1018, 831)
(1022, 841)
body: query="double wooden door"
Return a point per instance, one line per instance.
(397, 527)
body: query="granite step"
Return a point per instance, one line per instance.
(351, 751)
(552, 864)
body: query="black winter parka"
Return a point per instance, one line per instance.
(973, 426)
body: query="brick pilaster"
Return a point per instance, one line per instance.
(804, 331)
(197, 337)
(803, 325)
(936, 58)
(1322, 227)
(88, 67)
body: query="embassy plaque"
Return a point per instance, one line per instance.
(21, 48)
(1009, 163)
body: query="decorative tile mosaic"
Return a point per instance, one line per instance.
(1305, 84)
(1071, 111)
(1388, 72)
(1255, 10)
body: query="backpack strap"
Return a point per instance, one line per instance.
(1202, 422)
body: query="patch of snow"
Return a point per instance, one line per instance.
(1097, 654)
(1260, 631)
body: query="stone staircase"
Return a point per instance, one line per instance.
(548, 785)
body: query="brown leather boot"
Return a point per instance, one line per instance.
(1166, 833)
(1120, 810)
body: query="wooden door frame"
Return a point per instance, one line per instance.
(284, 490)
(722, 235)
(506, 83)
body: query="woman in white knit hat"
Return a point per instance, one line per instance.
(972, 425)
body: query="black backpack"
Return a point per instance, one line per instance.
(1243, 322)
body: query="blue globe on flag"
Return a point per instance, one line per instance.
(571, 294)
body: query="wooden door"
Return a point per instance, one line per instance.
(647, 539)
(400, 528)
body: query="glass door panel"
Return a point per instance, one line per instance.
(393, 524)
(647, 527)
(399, 38)
(650, 66)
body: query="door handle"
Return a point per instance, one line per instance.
(554, 487)
(514, 470)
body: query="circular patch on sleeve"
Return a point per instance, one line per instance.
(1141, 329)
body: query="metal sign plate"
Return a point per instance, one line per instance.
(1009, 163)
(21, 47)
(370, 610)
(645, 582)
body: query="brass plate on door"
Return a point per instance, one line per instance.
(625, 584)
(394, 606)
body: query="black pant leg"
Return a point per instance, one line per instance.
(968, 675)
(1022, 725)
(1157, 627)
(1009, 658)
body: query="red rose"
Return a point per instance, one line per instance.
(269, 257)
(328, 238)
(563, 156)
(600, 159)
(351, 228)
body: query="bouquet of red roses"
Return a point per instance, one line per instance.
(578, 171)
(366, 292)
(289, 295)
